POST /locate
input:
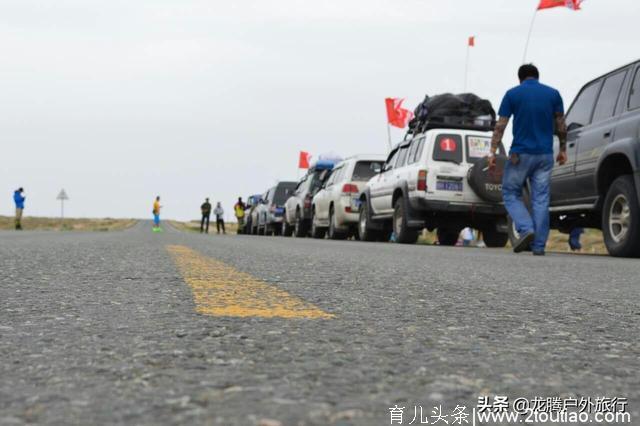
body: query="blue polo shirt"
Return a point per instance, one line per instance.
(533, 106)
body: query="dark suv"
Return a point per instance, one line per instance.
(599, 186)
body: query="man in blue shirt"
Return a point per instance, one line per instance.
(19, 198)
(536, 108)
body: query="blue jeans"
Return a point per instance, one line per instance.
(537, 169)
(574, 238)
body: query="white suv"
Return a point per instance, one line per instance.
(335, 208)
(426, 182)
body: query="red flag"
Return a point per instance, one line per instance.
(396, 115)
(472, 41)
(303, 162)
(571, 4)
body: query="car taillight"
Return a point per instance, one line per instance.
(349, 188)
(422, 180)
(307, 201)
(272, 208)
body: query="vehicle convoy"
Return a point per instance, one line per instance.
(335, 207)
(297, 209)
(269, 211)
(599, 185)
(251, 204)
(438, 178)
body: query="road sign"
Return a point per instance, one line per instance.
(62, 195)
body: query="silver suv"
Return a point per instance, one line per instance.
(427, 181)
(335, 207)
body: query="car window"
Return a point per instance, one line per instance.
(634, 96)
(388, 165)
(334, 176)
(282, 193)
(402, 156)
(365, 170)
(609, 95)
(416, 150)
(580, 113)
(448, 148)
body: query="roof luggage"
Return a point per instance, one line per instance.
(463, 111)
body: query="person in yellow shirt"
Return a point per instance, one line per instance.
(156, 215)
(239, 210)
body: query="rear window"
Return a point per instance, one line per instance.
(448, 148)
(283, 192)
(365, 170)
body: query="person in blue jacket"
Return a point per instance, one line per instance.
(19, 198)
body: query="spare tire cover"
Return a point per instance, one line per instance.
(487, 183)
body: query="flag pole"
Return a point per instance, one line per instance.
(466, 69)
(389, 136)
(526, 46)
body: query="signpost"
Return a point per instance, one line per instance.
(62, 196)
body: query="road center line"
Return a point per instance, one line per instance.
(221, 290)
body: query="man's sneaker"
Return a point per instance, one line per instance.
(524, 243)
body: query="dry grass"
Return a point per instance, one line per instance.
(70, 224)
(592, 241)
(194, 226)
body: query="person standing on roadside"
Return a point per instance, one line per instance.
(205, 208)
(239, 211)
(536, 109)
(574, 239)
(156, 215)
(219, 212)
(18, 199)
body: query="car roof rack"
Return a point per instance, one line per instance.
(453, 122)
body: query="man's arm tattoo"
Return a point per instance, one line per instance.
(498, 133)
(561, 130)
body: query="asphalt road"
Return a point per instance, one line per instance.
(133, 327)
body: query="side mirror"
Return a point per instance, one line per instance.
(574, 126)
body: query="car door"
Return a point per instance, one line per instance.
(321, 199)
(597, 136)
(563, 178)
(628, 125)
(379, 185)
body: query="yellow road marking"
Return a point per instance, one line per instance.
(221, 290)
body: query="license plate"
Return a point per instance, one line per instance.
(447, 185)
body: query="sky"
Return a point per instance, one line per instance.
(119, 101)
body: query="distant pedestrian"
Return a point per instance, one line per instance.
(574, 239)
(18, 198)
(239, 211)
(536, 109)
(205, 208)
(156, 215)
(219, 212)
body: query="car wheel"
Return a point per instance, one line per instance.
(494, 239)
(621, 219)
(364, 232)
(300, 230)
(404, 234)
(334, 234)
(287, 230)
(316, 231)
(448, 237)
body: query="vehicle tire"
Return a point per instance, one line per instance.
(494, 239)
(300, 228)
(621, 219)
(384, 236)
(447, 236)
(364, 232)
(287, 230)
(334, 234)
(404, 234)
(261, 230)
(276, 230)
(486, 183)
(316, 231)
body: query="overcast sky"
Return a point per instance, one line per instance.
(117, 101)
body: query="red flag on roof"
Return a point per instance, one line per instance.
(396, 115)
(303, 162)
(571, 4)
(472, 41)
